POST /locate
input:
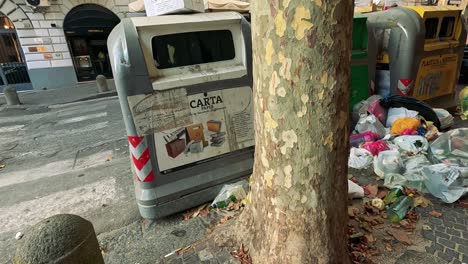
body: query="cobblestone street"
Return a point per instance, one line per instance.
(449, 233)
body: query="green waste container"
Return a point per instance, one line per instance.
(362, 62)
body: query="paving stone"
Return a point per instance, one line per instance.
(464, 258)
(465, 235)
(458, 240)
(463, 249)
(441, 234)
(446, 242)
(430, 250)
(429, 235)
(435, 221)
(459, 226)
(438, 246)
(444, 256)
(453, 232)
(451, 253)
(440, 228)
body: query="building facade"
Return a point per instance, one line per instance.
(65, 42)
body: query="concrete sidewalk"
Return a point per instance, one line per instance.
(78, 92)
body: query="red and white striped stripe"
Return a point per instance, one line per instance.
(141, 158)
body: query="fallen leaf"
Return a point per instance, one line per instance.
(435, 214)
(388, 247)
(421, 201)
(463, 203)
(400, 236)
(223, 220)
(370, 238)
(2, 166)
(109, 158)
(242, 254)
(371, 190)
(412, 216)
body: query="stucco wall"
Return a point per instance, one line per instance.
(44, 45)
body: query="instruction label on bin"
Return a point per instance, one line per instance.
(192, 128)
(436, 76)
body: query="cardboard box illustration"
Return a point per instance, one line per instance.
(195, 133)
(174, 148)
(214, 126)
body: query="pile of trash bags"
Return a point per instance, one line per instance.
(399, 136)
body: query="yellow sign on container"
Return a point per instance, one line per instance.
(436, 76)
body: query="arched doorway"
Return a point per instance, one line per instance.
(13, 69)
(86, 28)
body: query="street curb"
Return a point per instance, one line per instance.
(77, 102)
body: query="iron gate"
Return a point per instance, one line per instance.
(13, 69)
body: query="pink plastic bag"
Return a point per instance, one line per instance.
(376, 109)
(375, 147)
(356, 139)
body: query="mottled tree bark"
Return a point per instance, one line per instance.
(301, 55)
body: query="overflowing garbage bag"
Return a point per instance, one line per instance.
(409, 150)
(414, 104)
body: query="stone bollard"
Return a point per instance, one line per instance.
(101, 82)
(11, 96)
(60, 239)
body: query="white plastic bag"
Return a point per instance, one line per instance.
(444, 182)
(412, 145)
(445, 118)
(399, 112)
(370, 123)
(359, 158)
(354, 190)
(413, 168)
(237, 191)
(451, 148)
(388, 161)
(393, 180)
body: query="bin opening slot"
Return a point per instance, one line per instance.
(447, 28)
(431, 25)
(191, 48)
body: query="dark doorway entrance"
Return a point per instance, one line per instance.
(13, 69)
(87, 27)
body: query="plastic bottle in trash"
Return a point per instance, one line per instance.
(399, 208)
(392, 196)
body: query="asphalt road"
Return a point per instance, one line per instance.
(68, 159)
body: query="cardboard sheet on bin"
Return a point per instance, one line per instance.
(214, 5)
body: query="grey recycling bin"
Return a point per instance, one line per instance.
(185, 87)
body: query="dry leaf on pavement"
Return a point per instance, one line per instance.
(421, 201)
(2, 166)
(435, 214)
(400, 236)
(242, 254)
(109, 158)
(388, 247)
